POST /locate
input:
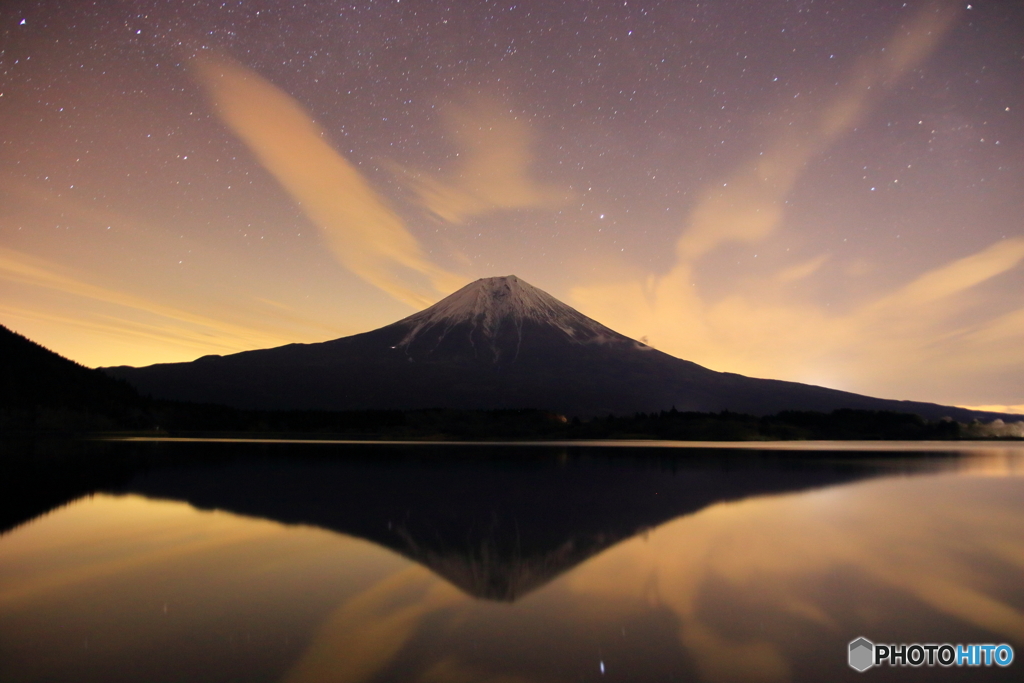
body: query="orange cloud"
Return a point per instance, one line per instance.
(905, 334)
(363, 233)
(959, 275)
(134, 317)
(999, 408)
(876, 346)
(495, 152)
(748, 206)
(802, 270)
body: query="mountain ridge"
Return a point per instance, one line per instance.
(41, 389)
(497, 343)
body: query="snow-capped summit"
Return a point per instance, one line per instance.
(495, 309)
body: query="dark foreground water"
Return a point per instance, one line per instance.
(332, 562)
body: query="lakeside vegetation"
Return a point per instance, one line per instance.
(168, 418)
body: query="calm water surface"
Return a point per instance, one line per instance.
(334, 562)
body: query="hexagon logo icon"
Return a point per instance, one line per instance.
(862, 654)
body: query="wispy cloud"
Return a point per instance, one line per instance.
(897, 335)
(999, 408)
(748, 206)
(902, 335)
(141, 318)
(495, 149)
(959, 275)
(363, 233)
(802, 270)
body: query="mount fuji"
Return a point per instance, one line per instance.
(496, 343)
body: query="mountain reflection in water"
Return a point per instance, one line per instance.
(716, 568)
(494, 523)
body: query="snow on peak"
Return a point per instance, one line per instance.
(488, 302)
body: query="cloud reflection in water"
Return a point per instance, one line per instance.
(751, 589)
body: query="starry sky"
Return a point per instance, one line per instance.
(826, 191)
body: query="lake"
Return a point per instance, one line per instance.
(306, 562)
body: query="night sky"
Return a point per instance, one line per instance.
(825, 191)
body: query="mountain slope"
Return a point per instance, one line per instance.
(496, 343)
(40, 389)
